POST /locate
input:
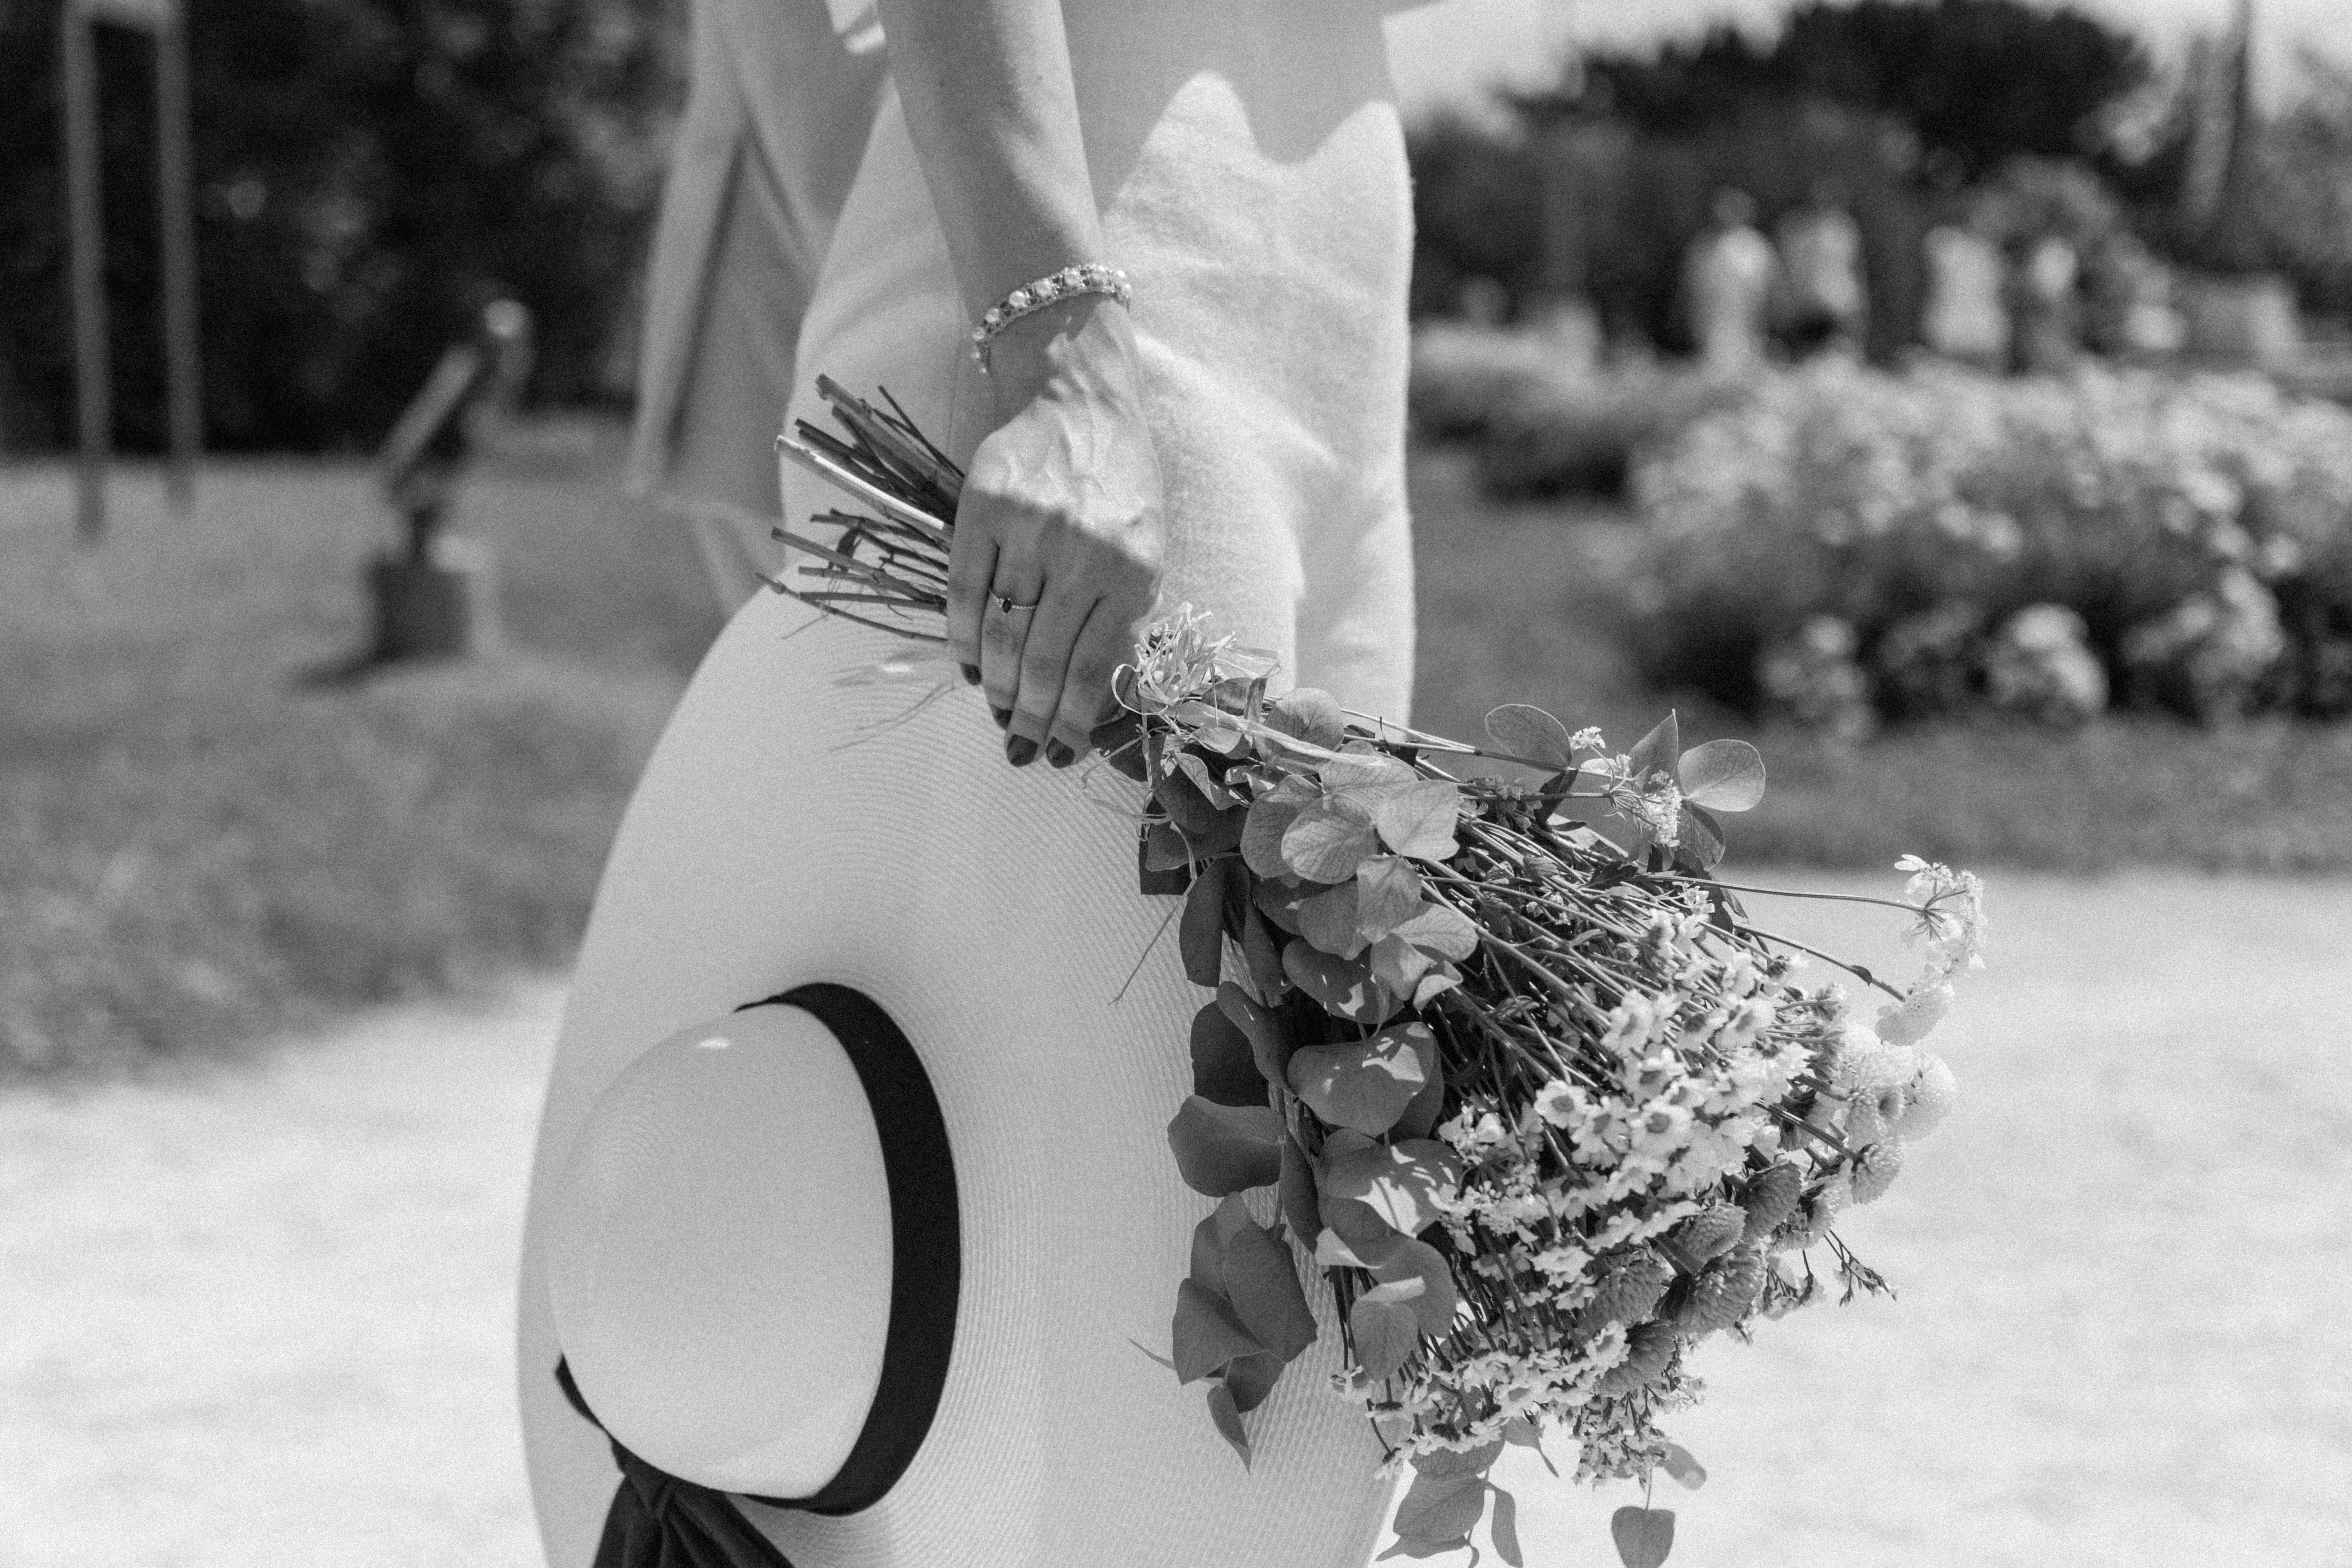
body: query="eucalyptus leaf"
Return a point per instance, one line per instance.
(1503, 1529)
(1262, 1283)
(1196, 772)
(1434, 985)
(1659, 751)
(1441, 1506)
(1453, 1464)
(1365, 1084)
(1397, 965)
(1421, 1118)
(1207, 1259)
(1227, 1416)
(1386, 1334)
(1166, 849)
(1443, 929)
(1300, 1205)
(1329, 919)
(1201, 934)
(1327, 840)
(1698, 841)
(1252, 1379)
(1225, 1062)
(1643, 1535)
(1528, 734)
(1433, 1298)
(1270, 816)
(1678, 1462)
(1280, 902)
(1270, 1037)
(1206, 1334)
(1388, 894)
(1344, 987)
(1312, 716)
(1262, 951)
(1359, 1227)
(1398, 1182)
(1723, 775)
(1419, 819)
(1360, 772)
(1223, 1149)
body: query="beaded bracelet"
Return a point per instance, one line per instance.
(1090, 277)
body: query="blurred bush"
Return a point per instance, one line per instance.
(2186, 543)
(369, 172)
(1544, 415)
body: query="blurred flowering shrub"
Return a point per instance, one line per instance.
(2186, 541)
(1546, 417)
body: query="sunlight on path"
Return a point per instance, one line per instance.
(266, 1320)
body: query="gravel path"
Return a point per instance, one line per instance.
(261, 1318)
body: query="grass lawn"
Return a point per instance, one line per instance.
(198, 847)
(1525, 603)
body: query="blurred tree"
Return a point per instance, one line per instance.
(1475, 207)
(1977, 81)
(369, 173)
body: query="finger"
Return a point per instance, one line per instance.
(1045, 660)
(1107, 641)
(971, 563)
(1003, 635)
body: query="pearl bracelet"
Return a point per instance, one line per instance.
(1090, 277)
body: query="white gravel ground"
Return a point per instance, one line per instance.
(262, 1318)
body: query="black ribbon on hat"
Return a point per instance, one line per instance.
(659, 1520)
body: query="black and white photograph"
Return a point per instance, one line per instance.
(1207, 784)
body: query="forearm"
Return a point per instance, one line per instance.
(989, 103)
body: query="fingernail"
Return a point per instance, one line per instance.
(1019, 750)
(1060, 756)
(972, 675)
(1004, 716)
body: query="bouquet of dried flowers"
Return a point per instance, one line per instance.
(1541, 1102)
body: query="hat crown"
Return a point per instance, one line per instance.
(719, 1258)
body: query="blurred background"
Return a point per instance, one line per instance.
(1954, 396)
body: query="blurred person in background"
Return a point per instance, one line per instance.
(1966, 316)
(1821, 254)
(2045, 318)
(782, 98)
(1729, 276)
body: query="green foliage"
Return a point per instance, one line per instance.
(368, 173)
(2200, 529)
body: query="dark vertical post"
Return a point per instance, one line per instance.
(94, 399)
(176, 185)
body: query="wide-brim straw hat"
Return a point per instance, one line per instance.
(710, 1218)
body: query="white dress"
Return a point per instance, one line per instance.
(1249, 164)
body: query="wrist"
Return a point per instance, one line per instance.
(1079, 341)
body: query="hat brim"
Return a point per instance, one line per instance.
(791, 828)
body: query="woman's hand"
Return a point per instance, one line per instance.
(1061, 517)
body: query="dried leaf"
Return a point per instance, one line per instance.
(1365, 1084)
(1223, 1149)
(1206, 1334)
(1224, 1063)
(1528, 734)
(1443, 929)
(1343, 986)
(1327, 840)
(1722, 776)
(1419, 819)
(1643, 1535)
(1398, 1182)
(1201, 936)
(1228, 1419)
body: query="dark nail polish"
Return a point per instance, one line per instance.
(1019, 750)
(1004, 716)
(972, 675)
(1060, 756)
